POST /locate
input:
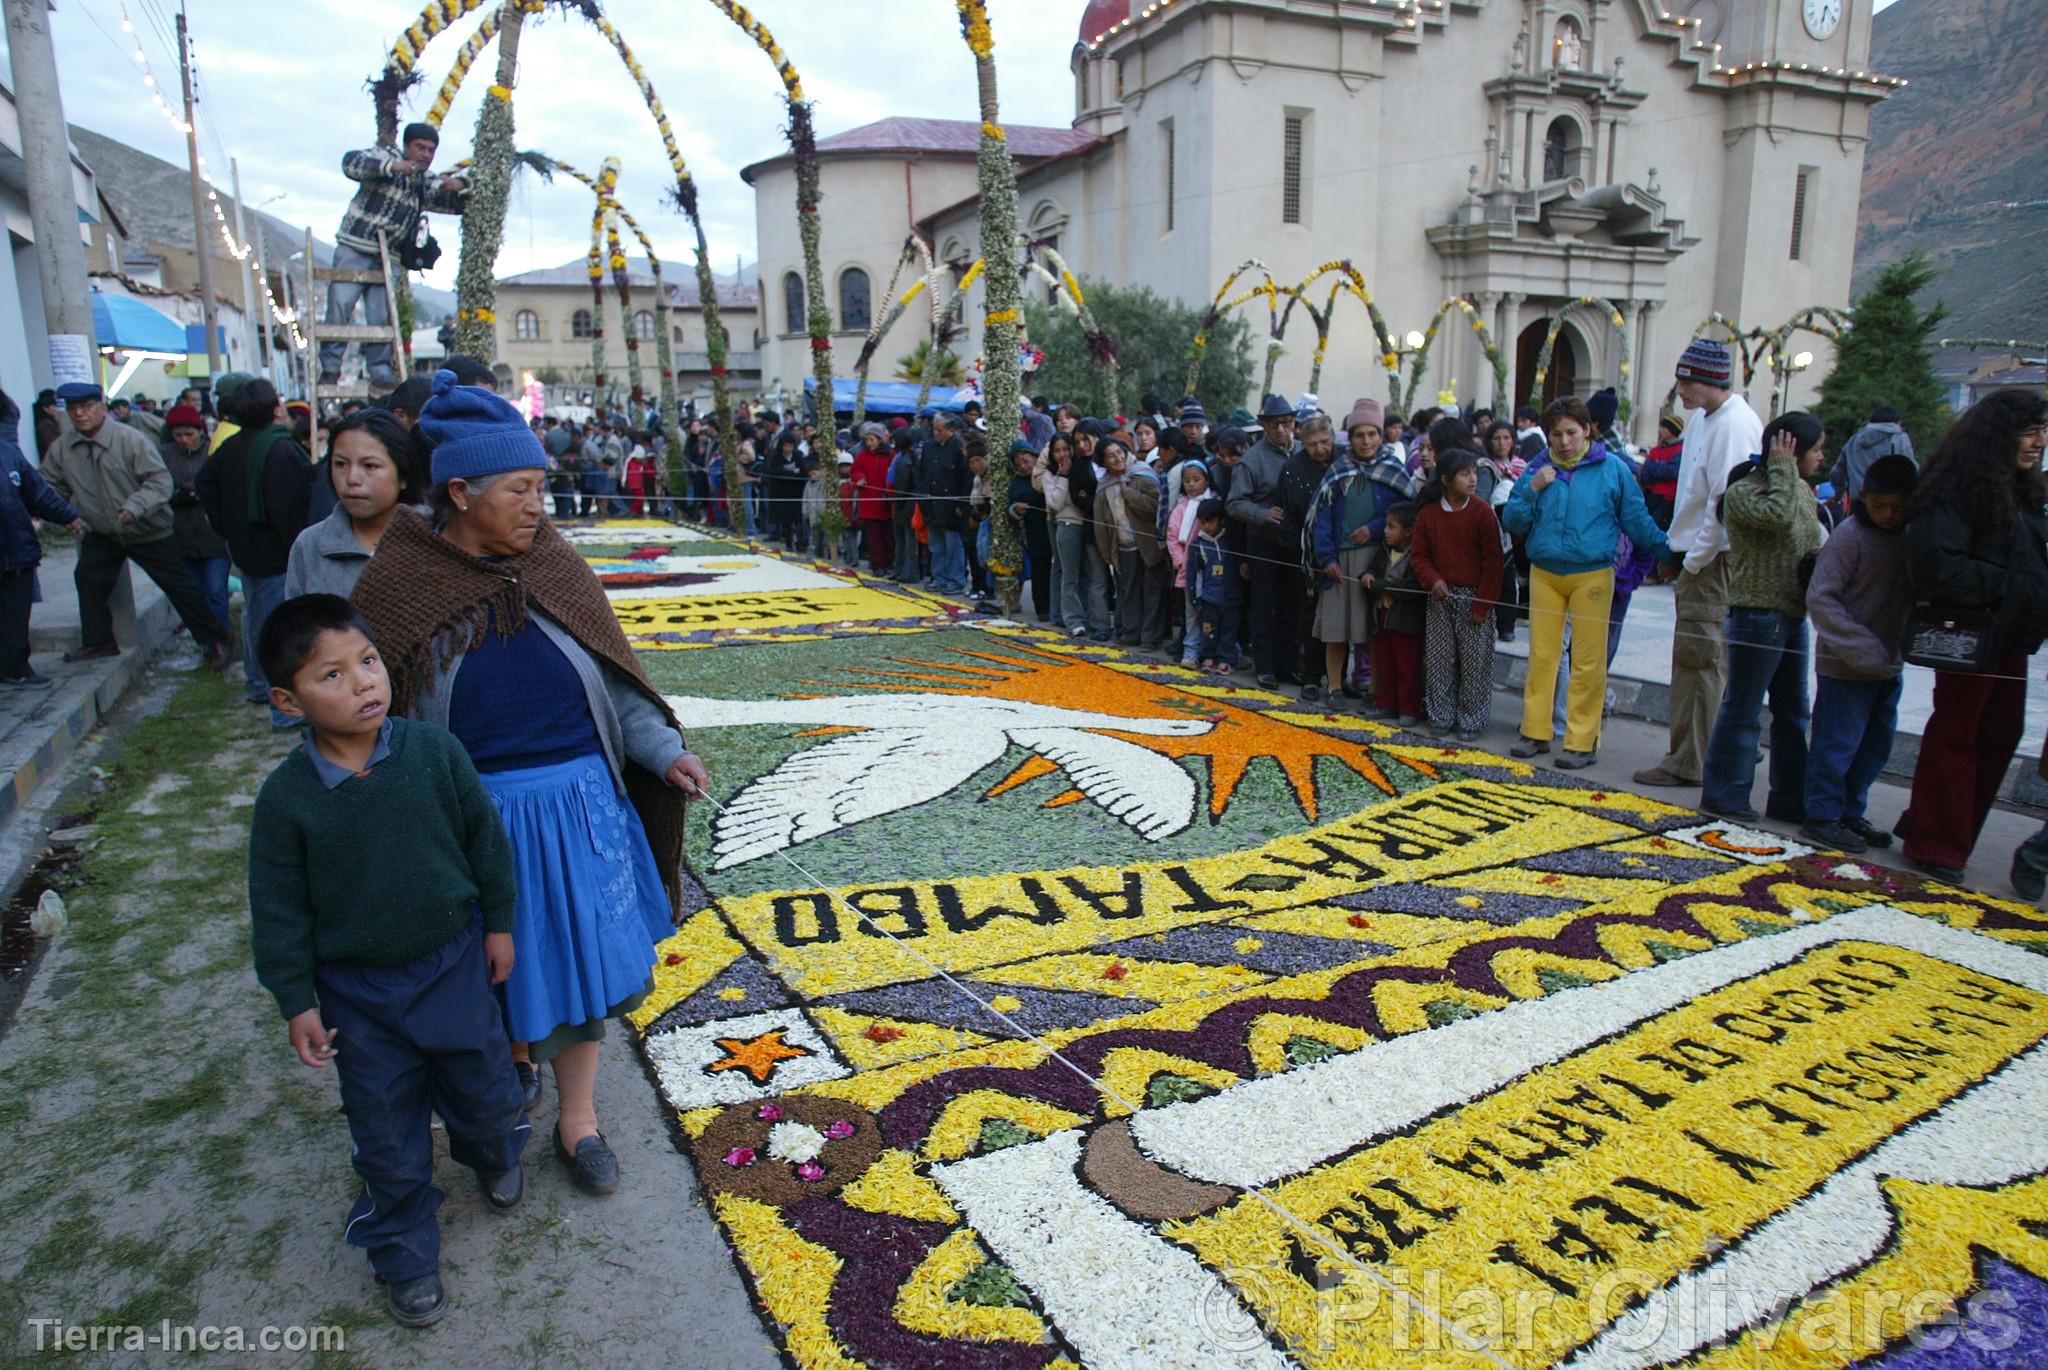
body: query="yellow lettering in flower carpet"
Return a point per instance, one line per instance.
(1533, 1216)
(831, 941)
(765, 609)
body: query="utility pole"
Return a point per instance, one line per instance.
(208, 311)
(261, 304)
(252, 312)
(52, 203)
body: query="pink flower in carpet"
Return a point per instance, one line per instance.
(811, 1171)
(739, 1156)
(770, 1113)
(839, 1130)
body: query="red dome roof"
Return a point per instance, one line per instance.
(1100, 14)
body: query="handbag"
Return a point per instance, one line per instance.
(1945, 639)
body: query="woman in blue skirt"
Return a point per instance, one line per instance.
(492, 626)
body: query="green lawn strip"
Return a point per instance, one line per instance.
(146, 1066)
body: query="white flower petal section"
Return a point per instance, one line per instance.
(795, 1142)
(842, 781)
(1125, 1298)
(734, 575)
(630, 535)
(1145, 790)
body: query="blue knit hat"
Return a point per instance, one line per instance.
(1603, 405)
(476, 433)
(1707, 361)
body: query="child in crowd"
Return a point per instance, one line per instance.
(381, 893)
(1457, 559)
(1183, 526)
(1860, 602)
(1212, 584)
(1398, 621)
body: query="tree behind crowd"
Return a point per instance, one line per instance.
(1152, 337)
(1886, 358)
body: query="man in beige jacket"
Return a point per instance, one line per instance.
(122, 490)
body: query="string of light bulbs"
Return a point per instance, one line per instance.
(174, 117)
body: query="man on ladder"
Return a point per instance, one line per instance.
(388, 213)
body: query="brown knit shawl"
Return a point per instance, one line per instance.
(426, 599)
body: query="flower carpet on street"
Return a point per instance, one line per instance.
(1043, 1005)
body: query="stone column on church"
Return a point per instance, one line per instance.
(1487, 302)
(1507, 323)
(1644, 393)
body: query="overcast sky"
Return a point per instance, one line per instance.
(281, 84)
(282, 91)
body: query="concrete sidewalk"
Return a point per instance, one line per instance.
(40, 728)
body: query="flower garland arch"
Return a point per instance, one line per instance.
(1488, 345)
(1616, 321)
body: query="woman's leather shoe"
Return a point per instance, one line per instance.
(592, 1166)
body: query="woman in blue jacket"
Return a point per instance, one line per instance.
(24, 497)
(1572, 505)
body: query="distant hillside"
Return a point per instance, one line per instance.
(1955, 166)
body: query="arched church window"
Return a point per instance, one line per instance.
(853, 298)
(793, 312)
(1561, 150)
(1568, 47)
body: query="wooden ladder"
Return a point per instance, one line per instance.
(319, 330)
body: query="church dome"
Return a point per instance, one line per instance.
(1100, 14)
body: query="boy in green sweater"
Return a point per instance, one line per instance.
(380, 894)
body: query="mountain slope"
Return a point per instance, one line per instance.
(1954, 167)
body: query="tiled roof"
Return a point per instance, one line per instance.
(680, 278)
(955, 137)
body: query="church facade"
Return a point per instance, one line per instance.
(1672, 161)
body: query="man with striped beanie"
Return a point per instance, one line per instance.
(1724, 433)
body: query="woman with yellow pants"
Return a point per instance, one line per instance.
(1573, 505)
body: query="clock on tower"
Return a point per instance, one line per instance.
(1822, 16)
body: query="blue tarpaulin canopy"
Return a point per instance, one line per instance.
(884, 397)
(133, 326)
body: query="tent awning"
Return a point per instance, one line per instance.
(133, 326)
(886, 397)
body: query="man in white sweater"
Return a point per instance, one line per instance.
(1724, 433)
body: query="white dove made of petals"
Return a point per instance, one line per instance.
(923, 746)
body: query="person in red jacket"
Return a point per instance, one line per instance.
(1457, 560)
(1659, 476)
(875, 504)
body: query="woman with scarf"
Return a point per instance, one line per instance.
(1349, 512)
(1572, 505)
(493, 627)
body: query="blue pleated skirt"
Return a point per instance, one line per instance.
(591, 905)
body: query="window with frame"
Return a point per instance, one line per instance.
(581, 325)
(643, 326)
(526, 325)
(854, 310)
(1560, 150)
(1292, 137)
(794, 314)
(1802, 190)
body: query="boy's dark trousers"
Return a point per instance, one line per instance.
(1853, 722)
(17, 595)
(905, 539)
(412, 1040)
(1219, 632)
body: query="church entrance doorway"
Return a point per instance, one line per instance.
(1565, 360)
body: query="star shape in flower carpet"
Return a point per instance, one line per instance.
(758, 1056)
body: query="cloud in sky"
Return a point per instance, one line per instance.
(281, 84)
